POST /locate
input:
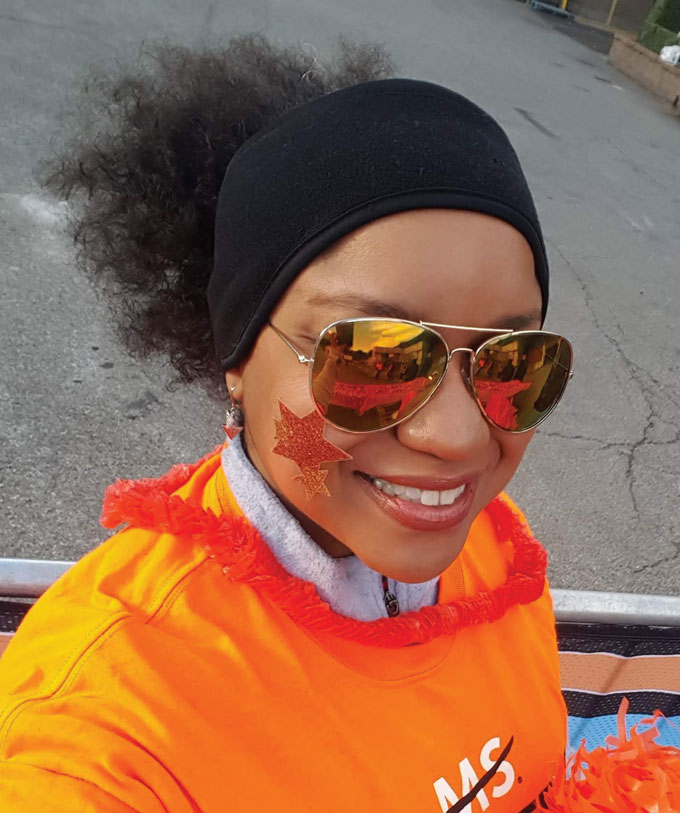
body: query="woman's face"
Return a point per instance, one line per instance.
(444, 266)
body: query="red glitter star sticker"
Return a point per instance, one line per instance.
(302, 440)
(314, 481)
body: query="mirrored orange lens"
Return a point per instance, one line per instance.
(520, 378)
(369, 374)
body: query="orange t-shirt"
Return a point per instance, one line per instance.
(178, 668)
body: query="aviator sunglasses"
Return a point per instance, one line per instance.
(368, 374)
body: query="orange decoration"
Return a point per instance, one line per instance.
(231, 431)
(302, 440)
(314, 481)
(633, 774)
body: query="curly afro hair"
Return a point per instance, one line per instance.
(145, 159)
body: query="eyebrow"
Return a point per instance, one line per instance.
(368, 306)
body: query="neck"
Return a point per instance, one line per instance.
(342, 581)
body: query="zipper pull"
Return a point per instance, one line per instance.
(391, 601)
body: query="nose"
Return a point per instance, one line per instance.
(450, 425)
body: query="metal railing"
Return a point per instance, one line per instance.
(29, 578)
(593, 607)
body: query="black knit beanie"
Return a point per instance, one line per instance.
(329, 166)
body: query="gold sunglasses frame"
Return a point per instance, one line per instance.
(468, 376)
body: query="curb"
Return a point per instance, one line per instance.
(645, 68)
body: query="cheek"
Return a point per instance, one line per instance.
(264, 385)
(270, 378)
(262, 395)
(512, 449)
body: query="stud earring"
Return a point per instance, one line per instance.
(233, 419)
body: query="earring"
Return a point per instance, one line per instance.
(233, 419)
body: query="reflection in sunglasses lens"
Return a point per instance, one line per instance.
(369, 374)
(519, 378)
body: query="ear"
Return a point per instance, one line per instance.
(234, 381)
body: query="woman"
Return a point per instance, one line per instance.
(337, 609)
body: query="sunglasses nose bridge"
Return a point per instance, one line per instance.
(460, 350)
(464, 370)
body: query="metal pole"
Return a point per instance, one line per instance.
(612, 11)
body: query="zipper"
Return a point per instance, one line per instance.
(391, 601)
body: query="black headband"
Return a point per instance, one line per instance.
(329, 166)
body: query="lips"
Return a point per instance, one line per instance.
(413, 514)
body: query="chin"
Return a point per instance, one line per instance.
(415, 574)
(416, 564)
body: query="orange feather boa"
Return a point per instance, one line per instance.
(632, 774)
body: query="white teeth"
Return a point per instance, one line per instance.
(449, 497)
(425, 496)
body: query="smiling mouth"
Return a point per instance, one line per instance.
(424, 496)
(442, 505)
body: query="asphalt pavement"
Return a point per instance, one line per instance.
(599, 482)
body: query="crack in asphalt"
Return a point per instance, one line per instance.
(648, 392)
(664, 560)
(603, 445)
(13, 18)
